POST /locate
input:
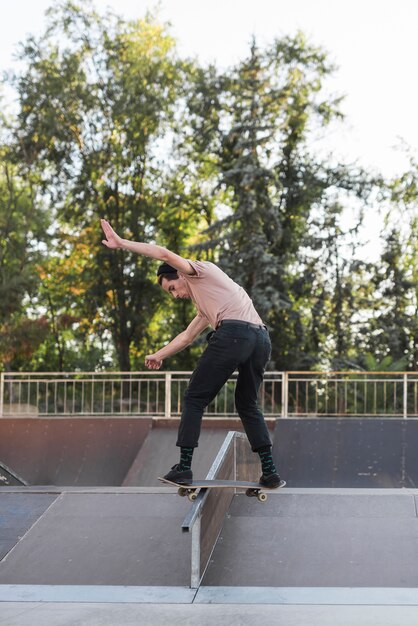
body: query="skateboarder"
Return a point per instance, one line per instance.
(239, 340)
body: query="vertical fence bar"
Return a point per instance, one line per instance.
(167, 411)
(355, 396)
(325, 397)
(365, 398)
(346, 396)
(285, 394)
(178, 396)
(56, 397)
(336, 395)
(1, 393)
(65, 396)
(405, 396)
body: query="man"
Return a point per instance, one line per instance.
(239, 341)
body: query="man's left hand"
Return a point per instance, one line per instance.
(152, 362)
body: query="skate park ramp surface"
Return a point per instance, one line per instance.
(314, 556)
(98, 451)
(347, 452)
(85, 538)
(318, 538)
(117, 555)
(71, 451)
(159, 453)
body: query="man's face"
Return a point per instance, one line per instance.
(177, 288)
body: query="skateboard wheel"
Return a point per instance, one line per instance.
(251, 493)
(192, 496)
(182, 492)
(262, 497)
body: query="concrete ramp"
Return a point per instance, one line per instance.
(18, 513)
(8, 477)
(99, 451)
(159, 453)
(301, 546)
(317, 549)
(347, 452)
(70, 451)
(318, 538)
(96, 538)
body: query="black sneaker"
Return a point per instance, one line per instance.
(272, 481)
(183, 477)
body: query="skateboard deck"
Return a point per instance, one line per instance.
(252, 489)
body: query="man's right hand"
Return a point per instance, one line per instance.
(112, 240)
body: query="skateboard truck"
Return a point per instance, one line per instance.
(251, 489)
(192, 493)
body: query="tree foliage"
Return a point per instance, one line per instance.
(392, 332)
(97, 101)
(22, 247)
(281, 204)
(219, 164)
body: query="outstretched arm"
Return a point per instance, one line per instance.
(113, 241)
(184, 339)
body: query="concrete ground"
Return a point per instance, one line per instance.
(117, 557)
(53, 614)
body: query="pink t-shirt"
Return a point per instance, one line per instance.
(217, 297)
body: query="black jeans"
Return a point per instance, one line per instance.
(235, 345)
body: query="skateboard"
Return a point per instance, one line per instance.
(252, 490)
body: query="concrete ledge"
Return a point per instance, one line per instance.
(86, 490)
(96, 594)
(296, 491)
(295, 596)
(384, 596)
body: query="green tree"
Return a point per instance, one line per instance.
(388, 333)
(23, 226)
(252, 128)
(98, 104)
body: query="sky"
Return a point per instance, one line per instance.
(374, 43)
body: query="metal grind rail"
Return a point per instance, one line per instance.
(235, 461)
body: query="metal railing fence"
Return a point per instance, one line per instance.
(159, 394)
(357, 394)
